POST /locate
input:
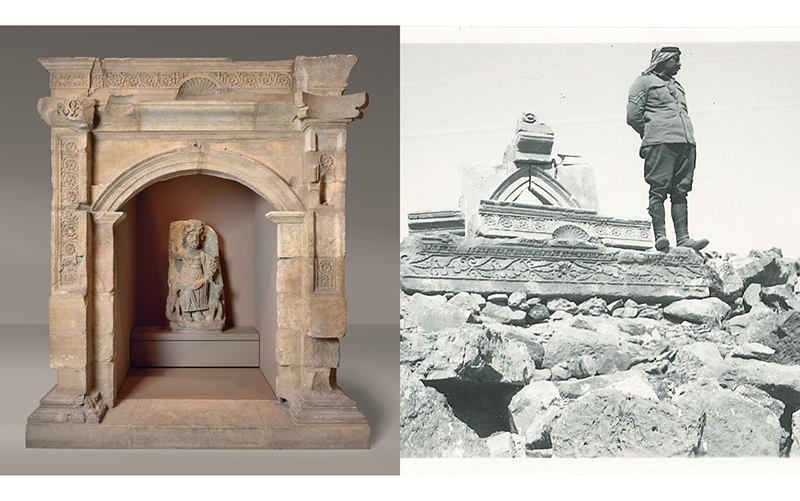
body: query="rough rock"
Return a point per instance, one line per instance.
(755, 351)
(532, 413)
(538, 313)
(498, 298)
(575, 388)
(729, 424)
(636, 386)
(472, 353)
(562, 304)
(762, 398)
(433, 313)
(752, 295)
(729, 284)
(696, 360)
(560, 315)
(762, 267)
(608, 423)
(595, 307)
(779, 331)
(467, 301)
(625, 312)
(503, 314)
(505, 445)
(428, 427)
(516, 299)
(777, 294)
(780, 381)
(604, 348)
(796, 433)
(709, 310)
(582, 367)
(651, 312)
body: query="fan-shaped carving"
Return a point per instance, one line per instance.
(570, 232)
(198, 86)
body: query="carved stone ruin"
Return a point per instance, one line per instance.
(121, 128)
(531, 225)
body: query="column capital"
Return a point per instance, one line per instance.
(75, 113)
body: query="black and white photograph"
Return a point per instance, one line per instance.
(598, 251)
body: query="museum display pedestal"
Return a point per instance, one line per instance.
(122, 128)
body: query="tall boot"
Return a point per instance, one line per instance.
(656, 210)
(680, 218)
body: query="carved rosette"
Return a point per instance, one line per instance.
(72, 113)
(326, 276)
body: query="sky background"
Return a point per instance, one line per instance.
(460, 104)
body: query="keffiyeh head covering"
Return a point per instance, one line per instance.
(661, 54)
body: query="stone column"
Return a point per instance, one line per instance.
(104, 318)
(74, 398)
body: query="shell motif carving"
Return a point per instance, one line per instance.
(198, 86)
(570, 232)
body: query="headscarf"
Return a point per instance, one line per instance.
(661, 54)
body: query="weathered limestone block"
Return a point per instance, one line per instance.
(756, 351)
(575, 388)
(74, 113)
(696, 360)
(287, 347)
(710, 310)
(196, 296)
(505, 445)
(779, 331)
(288, 307)
(595, 307)
(327, 317)
(294, 238)
(68, 315)
(604, 348)
(729, 284)
(503, 314)
(428, 427)
(780, 381)
(533, 413)
(320, 352)
(433, 313)
(730, 425)
(608, 423)
(472, 353)
(467, 301)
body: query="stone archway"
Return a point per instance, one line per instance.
(121, 125)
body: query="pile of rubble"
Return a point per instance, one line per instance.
(514, 375)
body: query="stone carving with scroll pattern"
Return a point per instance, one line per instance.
(195, 301)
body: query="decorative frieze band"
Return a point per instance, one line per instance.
(170, 80)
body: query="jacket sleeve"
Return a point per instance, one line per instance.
(637, 96)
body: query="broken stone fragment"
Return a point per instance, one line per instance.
(595, 307)
(694, 361)
(752, 295)
(625, 312)
(498, 298)
(467, 301)
(575, 388)
(710, 310)
(609, 423)
(755, 351)
(504, 444)
(538, 313)
(428, 427)
(562, 304)
(531, 415)
(516, 299)
(729, 424)
(777, 294)
(779, 331)
(604, 348)
(780, 381)
(728, 284)
(433, 313)
(503, 314)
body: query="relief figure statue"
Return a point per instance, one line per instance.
(195, 301)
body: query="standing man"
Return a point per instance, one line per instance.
(657, 111)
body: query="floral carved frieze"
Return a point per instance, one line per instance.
(456, 263)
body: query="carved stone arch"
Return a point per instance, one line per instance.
(543, 186)
(198, 160)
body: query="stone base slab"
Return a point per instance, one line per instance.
(197, 424)
(161, 347)
(440, 263)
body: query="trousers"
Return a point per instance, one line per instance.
(669, 170)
